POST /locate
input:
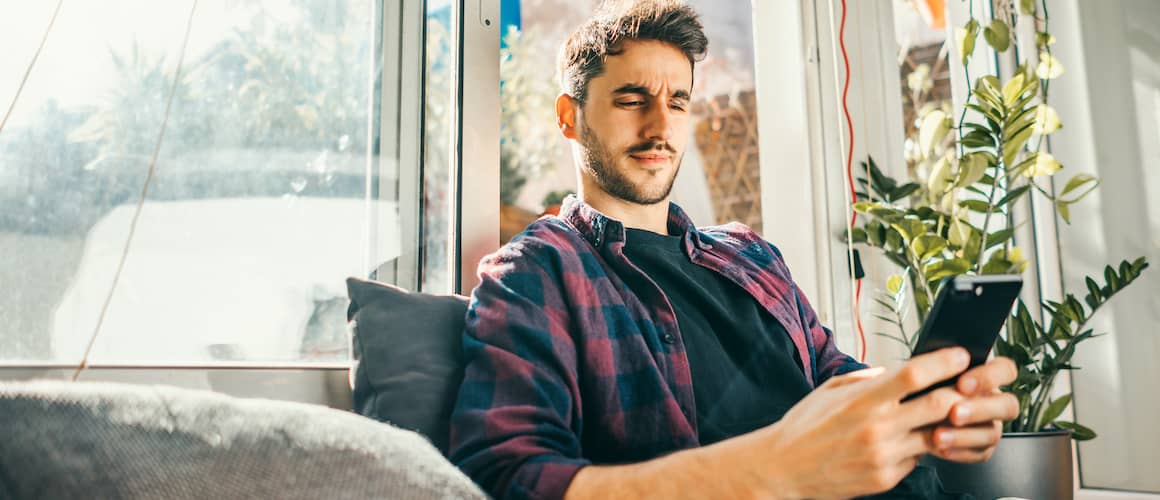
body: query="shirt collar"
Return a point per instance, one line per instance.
(599, 229)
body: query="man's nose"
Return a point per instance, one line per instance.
(660, 123)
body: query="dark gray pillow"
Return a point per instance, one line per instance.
(409, 351)
(97, 440)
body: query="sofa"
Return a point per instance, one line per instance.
(105, 440)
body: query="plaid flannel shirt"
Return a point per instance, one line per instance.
(566, 366)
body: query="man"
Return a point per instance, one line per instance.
(616, 351)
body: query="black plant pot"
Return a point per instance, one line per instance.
(1034, 465)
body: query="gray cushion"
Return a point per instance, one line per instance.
(409, 350)
(90, 440)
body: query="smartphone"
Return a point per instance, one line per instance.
(968, 312)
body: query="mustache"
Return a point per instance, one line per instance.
(650, 146)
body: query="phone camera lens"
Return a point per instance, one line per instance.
(979, 291)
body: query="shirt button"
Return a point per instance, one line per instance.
(669, 338)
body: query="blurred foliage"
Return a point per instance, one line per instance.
(529, 143)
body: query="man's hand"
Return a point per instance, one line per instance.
(853, 435)
(976, 423)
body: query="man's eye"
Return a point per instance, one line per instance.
(678, 106)
(631, 103)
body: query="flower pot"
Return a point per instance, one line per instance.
(1034, 465)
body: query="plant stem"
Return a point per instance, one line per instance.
(990, 207)
(1041, 400)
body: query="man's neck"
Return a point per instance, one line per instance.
(653, 217)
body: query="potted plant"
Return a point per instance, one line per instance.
(955, 217)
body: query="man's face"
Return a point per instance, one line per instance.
(631, 132)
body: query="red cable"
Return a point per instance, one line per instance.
(850, 176)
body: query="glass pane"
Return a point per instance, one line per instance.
(258, 209)
(438, 118)
(920, 29)
(719, 176)
(1111, 132)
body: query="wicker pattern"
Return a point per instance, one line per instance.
(727, 139)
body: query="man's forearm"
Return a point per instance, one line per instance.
(723, 470)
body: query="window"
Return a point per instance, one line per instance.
(1110, 104)
(268, 190)
(719, 180)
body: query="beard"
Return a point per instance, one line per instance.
(597, 159)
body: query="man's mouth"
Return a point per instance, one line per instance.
(650, 158)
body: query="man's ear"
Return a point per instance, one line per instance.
(566, 114)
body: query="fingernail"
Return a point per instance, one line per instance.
(969, 385)
(962, 412)
(962, 357)
(945, 439)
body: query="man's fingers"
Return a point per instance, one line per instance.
(967, 456)
(918, 442)
(987, 377)
(857, 376)
(999, 406)
(930, 408)
(974, 437)
(922, 371)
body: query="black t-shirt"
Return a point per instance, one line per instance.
(746, 371)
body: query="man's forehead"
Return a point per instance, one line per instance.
(648, 65)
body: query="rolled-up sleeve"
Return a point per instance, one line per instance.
(830, 361)
(515, 428)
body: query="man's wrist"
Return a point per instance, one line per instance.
(753, 464)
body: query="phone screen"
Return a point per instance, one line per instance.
(968, 312)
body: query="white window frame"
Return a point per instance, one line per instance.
(476, 47)
(804, 137)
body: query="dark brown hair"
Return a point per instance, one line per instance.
(582, 56)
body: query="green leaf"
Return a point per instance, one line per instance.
(1111, 279)
(1046, 119)
(975, 205)
(960, 233)
(1014, 87)
(903, 191)
(1012, 147)
(909, 228)
(894, 284)
(1064, 211)
(863, 207)
(943, 268)
(1000, 236)
(1078, 432)
(1012, 195)
(1022, 166)
(978, 139)
(893, 239)
(987, 89)
(928, 246)
(965, 39)
(998, 35)
(1045, 164)
(1054, 410)
(933, 129)
(857, 235)
(1027, 7)
(1077, 181)
(987, 113)
(875, 233)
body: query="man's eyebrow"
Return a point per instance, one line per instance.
(632, 88)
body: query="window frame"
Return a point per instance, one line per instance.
(1040, 237)
(401, 143)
